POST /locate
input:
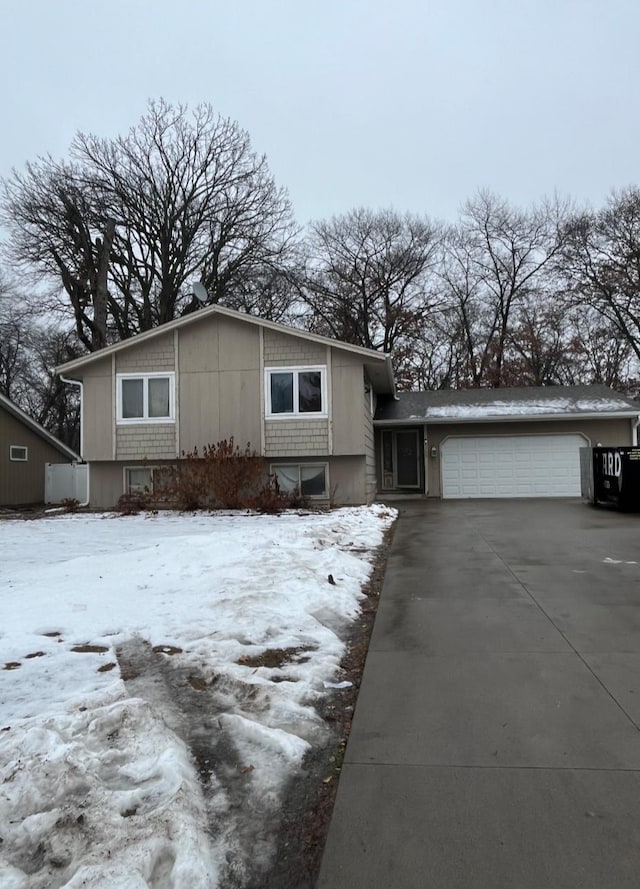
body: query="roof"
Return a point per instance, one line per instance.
(19, 414)
(492, 405)
(378, 364)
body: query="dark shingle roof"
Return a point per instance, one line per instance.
(465, 405)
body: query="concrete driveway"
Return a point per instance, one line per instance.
(496, 740)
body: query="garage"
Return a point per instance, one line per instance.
(518, 442)
(511, 466)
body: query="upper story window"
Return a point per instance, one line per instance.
(18, 453)
(296, 392)
(145, 398)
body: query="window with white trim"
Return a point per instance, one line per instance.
(158, 480)
(138, 480)
(296, 391)
(18, 453)
(309, 479)
(145, 398)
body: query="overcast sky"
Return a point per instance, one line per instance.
(401, 103)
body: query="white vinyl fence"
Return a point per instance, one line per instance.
(66, 481)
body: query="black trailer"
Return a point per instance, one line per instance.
(611, 475)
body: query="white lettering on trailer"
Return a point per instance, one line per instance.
(612, 464)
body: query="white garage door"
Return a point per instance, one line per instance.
(511, 466)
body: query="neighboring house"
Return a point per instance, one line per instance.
(25, 450)
(304, 402)
(325, 416)
(520, 442)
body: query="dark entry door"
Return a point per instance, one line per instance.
(400, 459)
(407, 454)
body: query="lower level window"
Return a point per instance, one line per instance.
(18, 453)
(308, 478)
(139, 480)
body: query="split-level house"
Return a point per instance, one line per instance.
(325, 417)
(304, 402)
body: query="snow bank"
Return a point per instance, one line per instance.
(158, 676)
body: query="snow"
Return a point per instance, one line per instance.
(141, 743)
(519, 408)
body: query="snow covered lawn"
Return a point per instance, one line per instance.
(158, 682)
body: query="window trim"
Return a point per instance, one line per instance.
(15, 459)
(296, 414)
(145, 377)
(316, 464)
(125, 477)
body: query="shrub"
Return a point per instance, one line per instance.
(131, 504)
(270, 499)
(222, 476)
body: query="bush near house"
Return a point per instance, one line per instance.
(221, 476)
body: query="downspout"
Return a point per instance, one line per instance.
(81, 385)
(634, 431)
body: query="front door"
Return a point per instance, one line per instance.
(400, 459)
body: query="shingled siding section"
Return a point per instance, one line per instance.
(155, 355)
(294, 438)
(289, 438)
(153, 442)
(281, 350)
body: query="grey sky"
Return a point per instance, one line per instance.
(408, 104)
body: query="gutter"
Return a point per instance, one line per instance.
(81, 386)
(510, 418)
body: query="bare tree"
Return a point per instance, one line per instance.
(12, 341)
(55, 241)
(600, 263)
(29, 350)
(539, 346)
(368, 278)
(596, 352)
(124, 226)
(47, 399)
(495, 258)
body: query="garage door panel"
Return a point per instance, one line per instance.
(511, 466)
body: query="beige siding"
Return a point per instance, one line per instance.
(347, 387)
(23, 482)
(219, 343)
(157, 354)
(146, 442)
(198, 351)
(289, 438)
(294, 437)
(98, 412)
(199, 410)
(346, 480)
(219, 394)
(282, 350)
(106, 484)
(219, 383)
(107, 480)
(607, 432)
(239, 345)
(240, 407)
